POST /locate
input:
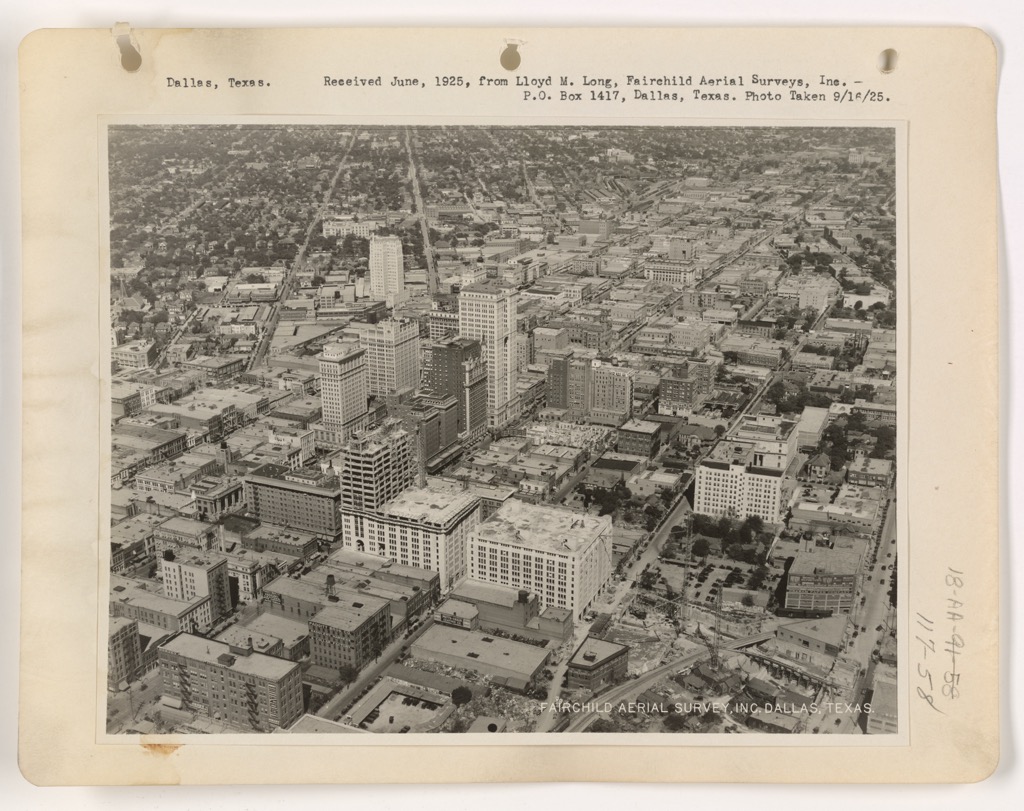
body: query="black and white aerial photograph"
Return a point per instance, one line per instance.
(485, 429)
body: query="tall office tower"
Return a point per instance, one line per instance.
(474, 397)
(524, 351)
(392, 354)
(558, 378)
(487, 312)
(373, 467)
(612, 398)
(434, 421)
(387, 270)
(580, 386)
(343, 390)
(444, 374)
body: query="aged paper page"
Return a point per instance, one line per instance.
(396, 98)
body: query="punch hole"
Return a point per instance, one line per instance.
(131, 59)
(887, 60)
(510, 57)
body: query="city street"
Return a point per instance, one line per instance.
(127, 708)
(333, 708)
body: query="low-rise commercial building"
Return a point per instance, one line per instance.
(638, 437)
(869, 472)
(515, 611)
(597, 663)
(144, 602)
(816, 642)
(824, 580)
(504, 662)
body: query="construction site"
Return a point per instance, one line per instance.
(707, 657)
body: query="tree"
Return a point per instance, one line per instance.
(748, 601)
(461, 695)
(758, 578)
(719, 431)
(886, 441)
(348, 673)
(701, 548)
(602, 725)
(675, 722)
(648, 580)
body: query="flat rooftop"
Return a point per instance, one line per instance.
(289, 631)
(117, 623)
(350, 611)
(365, 563)
(812, 418)
(363, 587)
(594, 651)
(732, 452)
(137, 528)
(216, 653)
(308, 724)
(829, 630)
(480, 650)
(640, 426)
(286, 535)
(186, 526)
(549, 529)
(195, 557)
(134, 435)
(240, 636)
(878, 467)
(473, 591)
(458, 608)
(145, 595)
(840, 561)
(439, 503)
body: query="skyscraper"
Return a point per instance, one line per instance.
(454, 368)
(373, 467)
(387, 270)
(487, 312)
(392, 354)
(612, 398)
(343, 390)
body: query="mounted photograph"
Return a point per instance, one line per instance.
(468, 429)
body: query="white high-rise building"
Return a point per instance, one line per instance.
(427, 527)
(387, 270)
(343, 390)
(745, 473)
(562, 556)
(487, 313)
(392, 354)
